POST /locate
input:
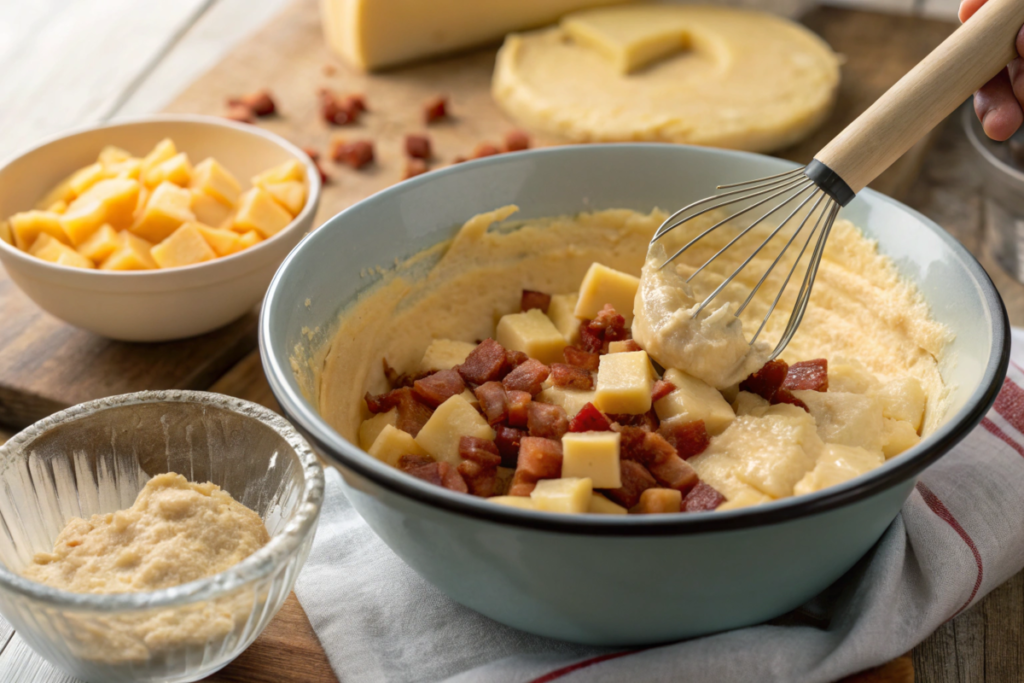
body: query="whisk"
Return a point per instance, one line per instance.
(931, 91)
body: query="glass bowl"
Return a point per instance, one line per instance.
(95, 458)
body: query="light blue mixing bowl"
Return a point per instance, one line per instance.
(608, 580)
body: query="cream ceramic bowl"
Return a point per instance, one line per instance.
(157, 305)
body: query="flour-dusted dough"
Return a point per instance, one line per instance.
(741, 79)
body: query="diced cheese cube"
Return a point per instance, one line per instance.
(570, 495)
(128, 169)
(208, 210)
(223, 242)
(837, 464)
(562, 311)
(514, 501)
(850, 376)
(5, 232)
(160, 153)
(84, 178)
(59, 206)
(453, 419)
(100, 244)
(82, 219)
(167, 208)
(603, 285)
(210, 178)
(177, 170)
(845, 418)
(570, 400)
(657, 501)
(898, 436)
(599, 505)
(119, 197)
(392, 443)
(445, 354)
(745, 498)
(624, 383)
(113, 155)
(133, 254)
(250, 239)
(903, 399)
(184, 247)
(370, 429)
(593, 455)
(620, 347)
(50, 249)
(533, 333)
(291, 195)
(282, 173)
(694, 399)
(747, 403)
(258, 211)
(28, 225)
(70, 257)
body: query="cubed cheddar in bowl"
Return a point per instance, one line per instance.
(562, 311)
(533, 333)
(185, 247)
(392, 443)
(100, 244)
(599, 505)
(26, 228)
(135, 253)
(569, 400)
(53, 250)
(167, 207)
(452, 420)
(592, 455)
(568, 494)
(258, 211)
(693, 399)
(603, 285)
(624, 383)
(370, 429)
(445, 354)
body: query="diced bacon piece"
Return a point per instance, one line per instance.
(516, 141)
(546, 420)
(437, 388)
(435, 109)
(647, 421)
(381, 403)
(408, 462)
(784, 395)
(451, 479)
(480, 479)
(631, 445)
(532, 299)
(581, 359)
(807, 375)
(591, 339)
(417, 146)
(675, 473)
(508, 441)
(528, 377)
(515, 358)
(523, 488)
(689, 438)
(539, 458)
(397, 379)
(656, 450)
(607, 317)
(260, 102)
(635, 480)
(356, 102)
(766, 381)
(485, 363)
(412, 414)
(570, 376)
(518, 407)
(240, 113)
(702, 498)
(661, 389)
(429, 473)
(493, 401)
(479, 450)
(590, 419)
(357, 153)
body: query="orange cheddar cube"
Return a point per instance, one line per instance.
(166, 209)
(258, 211)
(208, 210)
(119, 197)
(290, 194)
(184, 247)
(177, 170)
(53, 250)
(223, 242)
(100, 244)
(28, 225)
(250, 239)
(133, 254)
(84, 178)
(160, 153)
(282, 173)
(129, 168)
(82, 219)
(113, 155)
(210, 178)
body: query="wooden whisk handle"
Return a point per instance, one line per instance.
(930, 92)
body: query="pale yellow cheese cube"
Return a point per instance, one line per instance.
(850, 376)
(599, 505)
(693, 399)
(28, 225)
(624, 383)
(208, 210)
(70, 257)
(570, 495)
(177, 170)
(562, 312)
(100, 244)
(160, 153)
(258, 211)
(290, 194)
(593, 455)
(371, 428)
(745, 498)
(903, 399)
(129, 169)
(603, 285)
(845, 418)
(659, 501)
(5, 232)
(445, 354)
(250, 239)
(59, 206)
(521, 502)
(50, 249)
(119, 197)
(835, 465)
(210, 178)
(392, 443)
(223, 242)
(898, 436)
(167, 208)
(282, 173)
(112, 154)
(133, 254)
(569, 400)
(453, 419)
(84, 178)
(82, 219)
(185, 247)
(533, 333)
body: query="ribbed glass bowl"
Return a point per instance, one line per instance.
(95, 458)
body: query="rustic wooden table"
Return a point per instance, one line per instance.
(174, 41)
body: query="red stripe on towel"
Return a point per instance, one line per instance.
(994, 429)
(943, 513)
(1010, 404)
(558, 673)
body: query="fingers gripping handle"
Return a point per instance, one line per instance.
(932, 90)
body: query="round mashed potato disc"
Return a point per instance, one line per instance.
(690, 74)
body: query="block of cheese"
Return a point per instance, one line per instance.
(603, 285)
(599, 505)
(223, 242)
(212, 179)
(166, 209)
(659, 501)
(82, 219)
(258, 211)
(593, 455)
(160, 153)
(177, 170)
(850, 376)
(282, 173)
(562, 311)
(563, 495)
(133, 254)
(624, 383)
(630, 40)
(453, 419)
(845, 418)
(898, 436)
(100, 244)
(694, 399)
(392, 443)
(370, 34)
(112, 154)
(53, 250)
(185, 247)
(119, 197)
(569, 400)
(84, 178)
(291, 195)
(209, 210)
(903, 399)
(533, 333)
(835, 465)
(28, 225)
(249, 239)
(445, 354)
(514, 501)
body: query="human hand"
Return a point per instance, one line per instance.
(1000, 102)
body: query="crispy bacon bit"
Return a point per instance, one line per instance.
(508, 441)
(528, 377)
(435, 109)
(486, 363)
(591, 338)
(807, 374)
(786, 396)
(430, 473)
(412, 414)
(340, 111)
(484, 149)
(635, 480)
(515, 358)
(480, 479)
(408, 462)
(356, 154)
(413, 168)
(766, 381)
(590, 419)
(261, 102)
(417, 146)
(437, 388)
(532, 299)
(479, 450)
(518, 408)
(493, 401)
(516, 141)
(439, 474)
(240, 113)
(607, 326)
(539, 458)
(546, 420)
(570, 376)
(356, 102)
(688, 438)
(581, 359)
(647, 421)
(702, 498)
(661, 389)
(631, 442)
(451, 479)
(667, 467)
(607, 318)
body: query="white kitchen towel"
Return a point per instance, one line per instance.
(959, 535)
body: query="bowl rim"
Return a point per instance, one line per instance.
(350, 458)
(303, 217)
(259, 564)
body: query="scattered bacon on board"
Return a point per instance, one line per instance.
(435, 109)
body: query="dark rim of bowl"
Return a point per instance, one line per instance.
(353, 459)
